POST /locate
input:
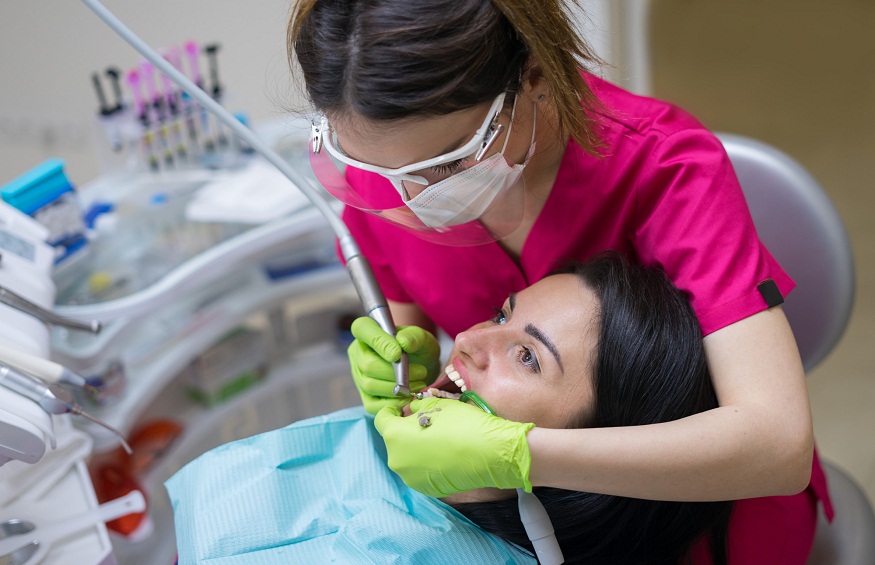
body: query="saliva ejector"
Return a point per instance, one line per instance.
(534, 517)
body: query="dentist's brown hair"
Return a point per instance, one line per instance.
(387, 60)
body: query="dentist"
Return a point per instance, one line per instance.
(476, 154)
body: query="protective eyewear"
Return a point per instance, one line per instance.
(478, 146)
(385, 199)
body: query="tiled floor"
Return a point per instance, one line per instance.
(802, 80)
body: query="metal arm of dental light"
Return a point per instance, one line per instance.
(358, 267)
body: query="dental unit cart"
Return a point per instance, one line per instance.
(189, 302)
(215, 324)
(43, 477)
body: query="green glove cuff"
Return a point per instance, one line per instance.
(519, 458)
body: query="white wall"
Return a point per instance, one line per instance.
(618, 31)
(50, 48)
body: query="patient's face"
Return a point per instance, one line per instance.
(533, 361)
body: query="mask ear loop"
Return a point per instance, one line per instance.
(510, 128)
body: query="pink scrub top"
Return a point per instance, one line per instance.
(663, 192)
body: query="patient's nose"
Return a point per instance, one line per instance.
(477, 344)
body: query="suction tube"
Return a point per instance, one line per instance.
(539, 528)
(533, 515)
(359, 270)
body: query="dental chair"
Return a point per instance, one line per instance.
(799, 225)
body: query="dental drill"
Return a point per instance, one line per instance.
(46, 370)
(359, 269)
(37, 391)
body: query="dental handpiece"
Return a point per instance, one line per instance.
(46, 316)
(375, 306)
(362, 277)
(37, 391)
(46, 370)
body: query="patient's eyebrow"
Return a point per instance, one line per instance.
(539, 335)
(512, 300)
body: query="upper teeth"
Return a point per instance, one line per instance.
(455, 377)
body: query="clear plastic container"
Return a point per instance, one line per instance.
(145, 236)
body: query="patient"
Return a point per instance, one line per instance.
(603, 344)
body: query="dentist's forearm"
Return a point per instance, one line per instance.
(758, 443)
(716, 455)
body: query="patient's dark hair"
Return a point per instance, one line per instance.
(649, 368)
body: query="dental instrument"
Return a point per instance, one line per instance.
(37, 391)
(534, 517)
(187, 106)
(172, 113)
(115, 78)
(105, 109)
(192, 52)
(45, 370)
(133, 78)
(111, 115)
(105, 114)
(357, 266)
(156, 101)
(194, 69)
(46, 316)
(212, 51)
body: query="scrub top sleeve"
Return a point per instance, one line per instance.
(692, 220)
(370, 235)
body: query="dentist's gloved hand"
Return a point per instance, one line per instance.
(461, 448)
(371, 356)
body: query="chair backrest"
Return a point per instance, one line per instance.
(801, 228)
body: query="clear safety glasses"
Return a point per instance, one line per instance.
(483, 139)
(387, 199)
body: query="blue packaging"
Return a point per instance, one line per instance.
(46, 194)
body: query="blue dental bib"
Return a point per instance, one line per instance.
(318, 491)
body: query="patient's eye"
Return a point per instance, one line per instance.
(500, 316)
(528, 358)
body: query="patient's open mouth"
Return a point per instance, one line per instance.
(449, 385)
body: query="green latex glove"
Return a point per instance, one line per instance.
(462, 448)
(371, 356)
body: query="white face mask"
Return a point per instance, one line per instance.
(465, 196)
